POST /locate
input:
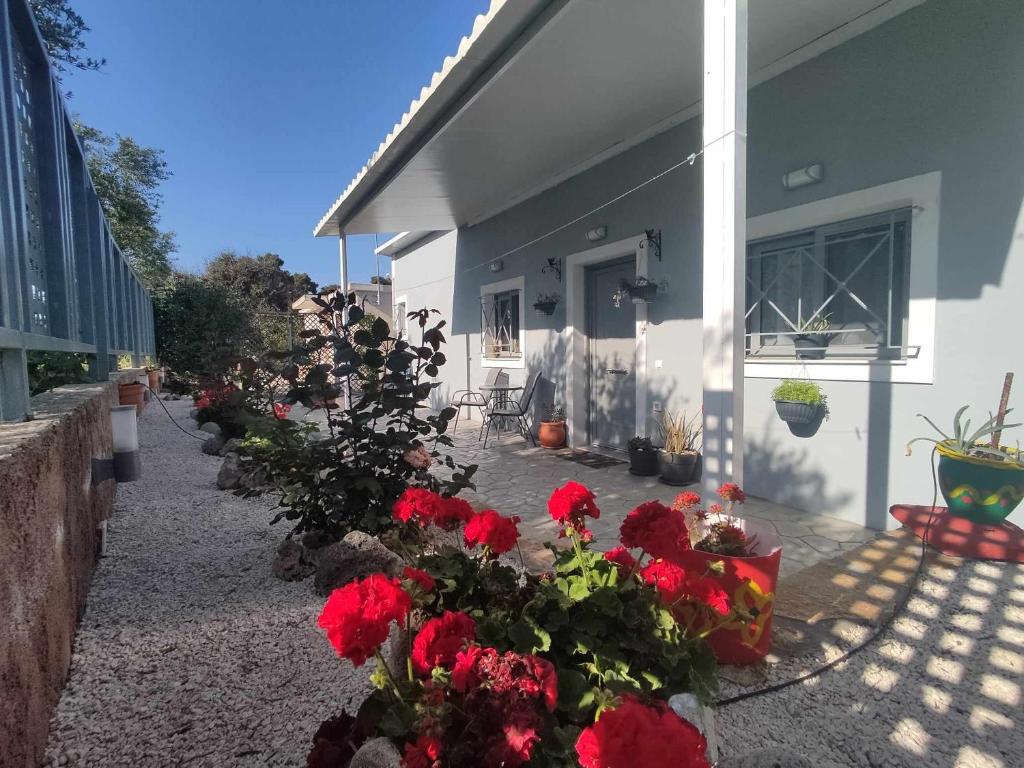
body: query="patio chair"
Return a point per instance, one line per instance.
(514, 411)
(463, 398)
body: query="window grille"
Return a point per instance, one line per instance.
(499, 325)
(848, 282)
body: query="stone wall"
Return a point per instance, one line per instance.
(49, 515)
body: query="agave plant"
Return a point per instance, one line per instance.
(968, 443)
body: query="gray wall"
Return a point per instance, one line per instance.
(936, 89)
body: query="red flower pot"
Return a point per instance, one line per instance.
(750, 582)
(551, 434)
(132, 394)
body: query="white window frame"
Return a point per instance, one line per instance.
(501, 286)
(922, 195)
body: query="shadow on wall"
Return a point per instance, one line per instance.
(786, 476)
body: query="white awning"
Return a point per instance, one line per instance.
(542, 90)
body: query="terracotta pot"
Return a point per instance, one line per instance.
(750, 582)
(132, 394)
(551, 434)
(154, 380)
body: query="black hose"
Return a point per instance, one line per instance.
(847, 655)
(157, 398)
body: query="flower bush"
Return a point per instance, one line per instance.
(570, 667)
(723, 536)
(382, 440)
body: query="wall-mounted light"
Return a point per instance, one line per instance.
(496, 266)
(597, 234)
(553, 266)
(125, 465)
(652, 242)
(803, 177)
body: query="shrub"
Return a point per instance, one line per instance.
(47, 370)
(348, 476)
(799, 392)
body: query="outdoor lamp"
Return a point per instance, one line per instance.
(125, 465)
(802, 177)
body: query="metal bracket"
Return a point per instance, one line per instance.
(652, 241)
(554, 265)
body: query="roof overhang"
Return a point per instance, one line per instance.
(399, 243)
(543, 89)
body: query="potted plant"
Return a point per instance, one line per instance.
(152, 374)
(641, 290)
(813, 338)
(546, 303)
(552, 428)
(643, 457)
(983, 482)
(679, 457)
(799, 402)
(132, 393)
(747, 554)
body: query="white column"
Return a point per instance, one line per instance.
(343, 263)
(725, 216)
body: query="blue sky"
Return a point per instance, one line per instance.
(265, 108)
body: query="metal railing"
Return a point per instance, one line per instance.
(65, 286)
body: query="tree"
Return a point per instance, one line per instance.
(260, 281)
(200, 328)
(62, 30)
(127, 176)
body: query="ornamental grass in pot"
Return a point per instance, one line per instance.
(679, 457)
(507, 668)
(980, 481)
(814, 337)
(643, 457)
(551, 432)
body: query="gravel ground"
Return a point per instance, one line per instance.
(940, 688)
(190, 653)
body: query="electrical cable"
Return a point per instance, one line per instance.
(847, 655)
(157, 398)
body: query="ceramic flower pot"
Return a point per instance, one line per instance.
(643, 463)
(132, 394)
(551, 434)
(751, 583)
(154, 379)
(679, 468)
(980, 489)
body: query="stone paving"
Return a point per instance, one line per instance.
(516, 479)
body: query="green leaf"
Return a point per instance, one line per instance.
(575, 694)
(528, 636)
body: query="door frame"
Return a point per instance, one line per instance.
(577, 342)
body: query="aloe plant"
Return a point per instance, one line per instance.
(968, 443)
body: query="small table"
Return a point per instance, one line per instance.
(501, 397)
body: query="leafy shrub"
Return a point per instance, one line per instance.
(47, 370)
(799, 391)
(348, 476)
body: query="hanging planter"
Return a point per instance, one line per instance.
(639, 291)
(800, 402)
(546, 303)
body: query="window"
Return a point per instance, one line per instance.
(847, 282)
(499, 325)
(399, 319)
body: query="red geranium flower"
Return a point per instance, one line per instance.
(281, 411)
(489, 529)
(635, 734)
(422, 578)
(686, 499)
(656, 529)
(439, 642)
(453, 512)
(424, 753)
(732, 492)
(571, 504)
(676, 585)
(358, 616)
(417, 504)
(622, 557)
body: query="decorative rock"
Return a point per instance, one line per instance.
(212, 427)
(230, 473)
(766, 758)
(354, 557)
(252, 480)
(231, 446)
(376, 753)
(213, 445)
(293, 562)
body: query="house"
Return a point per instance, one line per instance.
(770, 167)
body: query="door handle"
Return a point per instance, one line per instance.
(619, 371)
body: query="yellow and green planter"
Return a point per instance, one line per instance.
(980, 489)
